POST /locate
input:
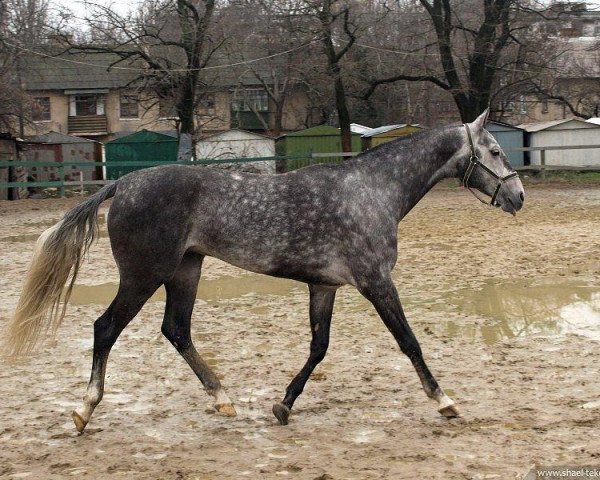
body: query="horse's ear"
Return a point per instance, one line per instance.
(481, 120)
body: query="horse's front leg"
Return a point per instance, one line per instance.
(382, 293)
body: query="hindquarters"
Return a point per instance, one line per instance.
(149, 222)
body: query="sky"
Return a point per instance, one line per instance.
(78, 7)
(123, 7)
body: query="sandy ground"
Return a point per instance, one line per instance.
(504, 307)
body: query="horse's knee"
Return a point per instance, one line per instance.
(178, 338)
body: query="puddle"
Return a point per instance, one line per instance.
(519, 308)
(222, 288)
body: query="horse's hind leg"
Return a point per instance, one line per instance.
(321, 308)
(384, 297)
(129, 300)
(181, 295)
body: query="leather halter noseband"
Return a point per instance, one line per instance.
(474, 162)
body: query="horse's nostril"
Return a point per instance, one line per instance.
(522, 196)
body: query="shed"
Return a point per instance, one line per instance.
(508, 137)
(385, 133)
(9, 151)
(142, 146)
(238, 144)
(566, 132)
(58, 147)
(320, 139)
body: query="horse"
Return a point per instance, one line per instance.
(324, 225)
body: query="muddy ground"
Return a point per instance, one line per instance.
(507, 311)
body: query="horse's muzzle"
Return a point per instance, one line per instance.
(511, 200)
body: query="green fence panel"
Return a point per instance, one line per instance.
(123, 153)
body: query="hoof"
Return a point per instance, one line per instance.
(282, 413)
(226, 409)
(449, 411)
(80, 423)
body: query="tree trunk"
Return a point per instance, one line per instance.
(185, 110)
(343, 115)
(335, 71)
(277, 125)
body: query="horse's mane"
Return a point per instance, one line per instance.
(405, 141)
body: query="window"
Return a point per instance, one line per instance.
(522, 105)
(85, 105)
(40, 110)
(508, 106)
(129, 106)
(207, 104)
(251, 100)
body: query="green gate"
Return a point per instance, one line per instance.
(142, 146)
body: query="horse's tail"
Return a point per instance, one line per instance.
(58, 253)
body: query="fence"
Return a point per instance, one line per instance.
(293, 162)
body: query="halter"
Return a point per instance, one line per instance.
(474, 162)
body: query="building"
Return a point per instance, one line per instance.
(321, 139)
(563, 133)
(571, 84)
(510, 138)
(57, 147)
(9, 151)
(238, 144)
(81, 94)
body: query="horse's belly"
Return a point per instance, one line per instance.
(328, 272)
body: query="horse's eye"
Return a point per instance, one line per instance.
(495, 152)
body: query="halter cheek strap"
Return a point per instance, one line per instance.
(474, 162)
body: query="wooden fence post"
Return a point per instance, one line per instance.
(543, 164)
(61, 178)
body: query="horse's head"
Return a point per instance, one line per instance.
(484, 166)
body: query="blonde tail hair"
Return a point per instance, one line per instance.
(57, 256)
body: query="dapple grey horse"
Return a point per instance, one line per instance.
(325, 225)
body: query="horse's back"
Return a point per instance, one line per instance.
(294, 225)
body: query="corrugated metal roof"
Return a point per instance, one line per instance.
(216, 137)
(388, 128)
(318, 131)
(56, 137)
(358, 128)
(144, 136)
(382, 129)
(503, 124)
(538, 127)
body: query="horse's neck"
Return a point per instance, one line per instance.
(406, 174)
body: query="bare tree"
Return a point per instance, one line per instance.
(23, 25)
(574, 79)
(171, 41)
(273, 31)
(338, 29)
(473, 50)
